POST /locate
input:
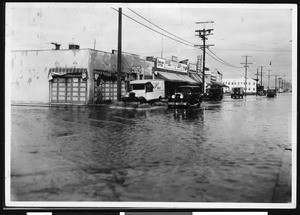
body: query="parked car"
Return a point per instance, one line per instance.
(186, 96)
(271, 93)
(214, 93)
(237, 92)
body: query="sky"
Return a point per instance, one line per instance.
(264, 32)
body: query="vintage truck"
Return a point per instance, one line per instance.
(146, 90)
(237, 92)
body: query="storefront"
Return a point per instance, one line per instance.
(175, 74)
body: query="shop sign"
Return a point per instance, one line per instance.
(171, 65)
(192, 67)
(161, 63)
(184, 68)
(174, 58)
(179, 66)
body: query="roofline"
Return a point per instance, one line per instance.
(89, 49)
(56, 50)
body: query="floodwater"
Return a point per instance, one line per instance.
(226, 151)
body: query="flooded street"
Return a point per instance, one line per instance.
(227, 151)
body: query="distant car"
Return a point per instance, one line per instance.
(271, 93)
(214, 94)
(237, 92)
(186, 96)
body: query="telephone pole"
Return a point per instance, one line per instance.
(119, 64)
(256, 81)
(269, 77)
(246, 66)
(261, 75)
(203, 35)
(275, 81)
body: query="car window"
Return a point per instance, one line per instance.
(137, 86)
(149, 87)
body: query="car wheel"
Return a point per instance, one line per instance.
(142, 100)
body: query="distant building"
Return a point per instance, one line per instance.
(249, 87)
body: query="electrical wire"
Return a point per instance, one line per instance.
(152, 28)
(158, 26)
(219, 60)
(226, 63)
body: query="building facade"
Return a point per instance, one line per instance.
(174, 74)
(250, 87)
(71, 76)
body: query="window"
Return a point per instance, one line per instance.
(137, 86)
(253, 88)
(149, 87)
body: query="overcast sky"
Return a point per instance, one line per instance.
(264, 32)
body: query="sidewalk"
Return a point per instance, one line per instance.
(283, 189)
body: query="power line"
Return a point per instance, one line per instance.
(225, 63)
(262, 50)
(152, 29)
(158, 26)
(217, 59)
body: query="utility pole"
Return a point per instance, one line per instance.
(275, 81)
(246, 66)
(256, 81)
(119, 64)
(269, 77)
(202, 34)
(261, 75)
(162, 45)
(94, 44)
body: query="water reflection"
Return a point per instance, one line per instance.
(228, 150)
(188, 114)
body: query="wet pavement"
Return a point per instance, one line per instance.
(226, 151)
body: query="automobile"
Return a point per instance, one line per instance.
(271, 93)
(237, 92)
(214, 94)
(185, 97)
(145, 91)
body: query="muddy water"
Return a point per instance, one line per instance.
(227, 151)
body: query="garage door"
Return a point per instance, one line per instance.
(68, 90)
(110, 90)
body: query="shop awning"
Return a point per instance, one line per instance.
(196, 77)
(175, 77)
(65, 71)
(104, 73)
(170, 77)
(218, 83)
(188, 79)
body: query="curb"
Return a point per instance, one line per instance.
(283, 188)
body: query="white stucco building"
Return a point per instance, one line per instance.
(249, 88)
